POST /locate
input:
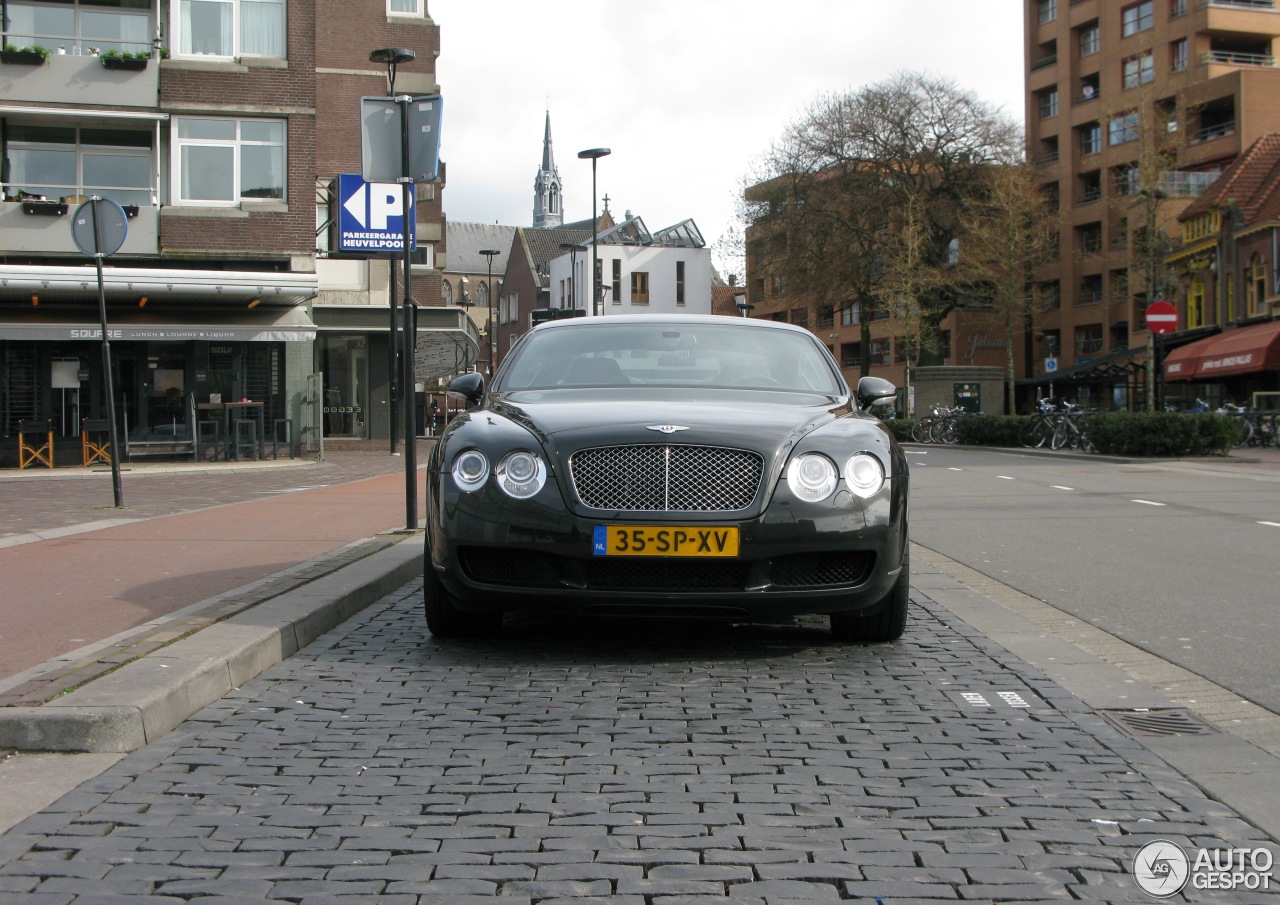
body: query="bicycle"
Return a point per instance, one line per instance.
(921, 431)
(1244, 424)
(1038, 431)
(1069, 432)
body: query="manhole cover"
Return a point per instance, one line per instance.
(1155, 723)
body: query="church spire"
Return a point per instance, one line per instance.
(548, 159)
(548, 207)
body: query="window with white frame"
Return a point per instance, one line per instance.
(70, 161)
(231, 28)
(416, 8)
(225, 161)
(1047, 10)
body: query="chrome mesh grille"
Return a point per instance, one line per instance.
(661, 478)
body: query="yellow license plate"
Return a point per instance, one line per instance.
(669, 540)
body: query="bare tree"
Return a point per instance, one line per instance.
(831, 189)
(1009, 231)
(909, 289)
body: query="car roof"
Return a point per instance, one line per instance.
(614, 319)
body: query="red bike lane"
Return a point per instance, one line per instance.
(61, 594)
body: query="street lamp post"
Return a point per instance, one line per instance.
(573, 248)
(594, 154)
(392, 57)
(493, 323)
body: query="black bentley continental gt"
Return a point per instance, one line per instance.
(668, 465)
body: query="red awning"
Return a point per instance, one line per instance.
(1244, 350)
(1180, 364)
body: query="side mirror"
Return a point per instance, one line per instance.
(875, 391)
(468, 388)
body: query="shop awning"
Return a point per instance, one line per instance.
(78, 285)
(1244, 350)
(139, 325)
(1180, 364)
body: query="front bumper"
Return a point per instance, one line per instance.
(492, 553)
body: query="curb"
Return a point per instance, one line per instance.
(140, 702)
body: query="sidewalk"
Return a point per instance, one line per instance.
(90, 588)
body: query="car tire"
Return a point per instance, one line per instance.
(885, 622)
(446, 620)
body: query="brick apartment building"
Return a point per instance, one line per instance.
(223, 142)
(1134, 110)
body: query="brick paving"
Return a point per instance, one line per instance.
(41, 500)
(672, 763)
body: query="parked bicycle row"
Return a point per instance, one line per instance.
(1255, 427)
(1059, 424)
(939, 426)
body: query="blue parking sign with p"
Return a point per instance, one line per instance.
(371, 217)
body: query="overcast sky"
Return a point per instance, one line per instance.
(686, 93)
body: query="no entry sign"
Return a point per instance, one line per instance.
(1162, 317)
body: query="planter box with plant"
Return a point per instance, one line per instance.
(33, 55)
(115, 59)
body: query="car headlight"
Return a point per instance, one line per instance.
(812, 477)
(470, 469)
(521, 474)
(864, 475)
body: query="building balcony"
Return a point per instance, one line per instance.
(80, 81)
(1212, 133)
(1237, 4)
(1230, 58)
(45, 228)
(1237, 17)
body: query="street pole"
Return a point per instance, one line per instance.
(117, 489)
(493, 321)
(408, 387)
(393, 57)
(410, 422)
(594, 154)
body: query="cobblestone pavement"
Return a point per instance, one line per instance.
(663, 763)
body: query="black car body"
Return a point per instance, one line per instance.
(683, 465)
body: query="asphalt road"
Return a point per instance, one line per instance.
(1179, 561)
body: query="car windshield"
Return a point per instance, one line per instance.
(670, 354)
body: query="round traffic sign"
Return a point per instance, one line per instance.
(1162, 317)
(112, 227)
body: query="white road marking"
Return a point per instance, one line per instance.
(1005, 477)
(955, 469)
(1148, 502)
(1060, 487)
(1270, 524)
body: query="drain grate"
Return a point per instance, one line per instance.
(1157, 723)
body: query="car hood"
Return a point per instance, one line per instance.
(767, 422)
